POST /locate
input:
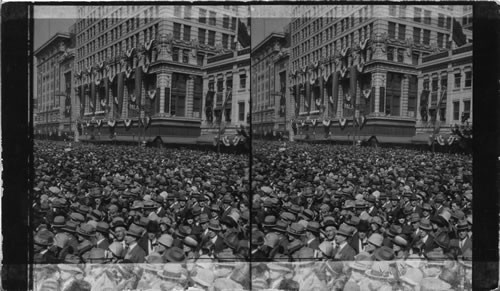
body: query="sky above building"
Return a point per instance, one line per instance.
(267, 19)
(49, 20)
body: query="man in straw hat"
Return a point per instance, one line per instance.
(344, 252)
(134, 253)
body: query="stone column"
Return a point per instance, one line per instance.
(164, 81)
(189, 96)
(405, 83)
(378, 81)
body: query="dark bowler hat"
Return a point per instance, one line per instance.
(175, 255)
(313, 226)
(134, 231)
(102, 227)
(384, 254)
(58, 222)
(281, 226)
(425, 224)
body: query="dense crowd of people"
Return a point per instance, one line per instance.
(362, 216)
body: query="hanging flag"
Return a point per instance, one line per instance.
(128, 123)
(458, 35)
(362, 121)
(366, 93)
(111, 123)
(342, 122)
(243, 35)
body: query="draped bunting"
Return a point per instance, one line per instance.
(343, 72)
(147, 121)
(99, 122)
(440, 140)
(321, 93)
(128, 123)
(367, 93)
(120, 93)
(342, 122)
(106, 90)
(335, 92)
(362, 121)
(111, 123)
(128, 73)
(308, 97)
(92, 97)
(363, 43)
(148, 45)
(360, 66)
(138, 84)
(314, 122)
(129, 52)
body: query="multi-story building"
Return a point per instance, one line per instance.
(226, 86)
(54, 59)
(142, 65)
(357, 64)
(269, 65)
(445, 91)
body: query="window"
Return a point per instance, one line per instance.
(243, 81)
(225, 21)
(177, 31)
(401, 55)
(211, 37)
(200, 59)
(201, 35)
(233, 23)
(427, 17)
(414, 58)
(392, 29)
(440, 20)
(440, 39)
(468, 79)
(416, 35)
(212, 20)
(203, 16)
(187, 12)
(175, 54)
(225, 40)
(458, 80)
(402, 32)
(390, 53)
(448, 22)
(187, 32)
(241, 111)
(467, 107)
(427, 36)
(456, 110)
(185, 56)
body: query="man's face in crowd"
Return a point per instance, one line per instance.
(309, 200)
(151, 235)
(340, 238)
(462, 234)
(394, 202)
(204, 225)
(129, 239)
(362, 235)
(182, 203)
(120, 233)
(414, 203)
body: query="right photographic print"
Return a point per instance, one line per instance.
(361, 147)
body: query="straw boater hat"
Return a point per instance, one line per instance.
(380, 271)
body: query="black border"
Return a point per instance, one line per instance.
(17, 143)
(17, 149)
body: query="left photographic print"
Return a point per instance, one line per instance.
(141, 148)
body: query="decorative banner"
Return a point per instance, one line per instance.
(148, 45)
(360, 66)
(147, 121)
(139, 122)
(99, 122)
(318, 102)
(363, 43)
(101, 66)
(152, 94)
(306, 104)
(226, 141)
(343, 72)
(353, 82)
(326, 125)
(440, 140)
(128, 123)
(362, 121)
(145, 68)
(129, 52)
(355, 121)
(451, 139)
(115, 99)
(342, 122)
(132, 98)
(314, 122)
(111, 123)
(138, 84)
(93, 97)
(367, 93)
(103, 103)
(87, 123)
(344, 51)
(302, 122)
(335, 94)
(128, 72)
(111, 78)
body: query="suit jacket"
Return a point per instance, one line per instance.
(355, 245)
(136, 255)
(314, 244)
(144, 244)
(103, 245)
(352, 241)
(467, 245)
(219, 244)
(347, 253)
